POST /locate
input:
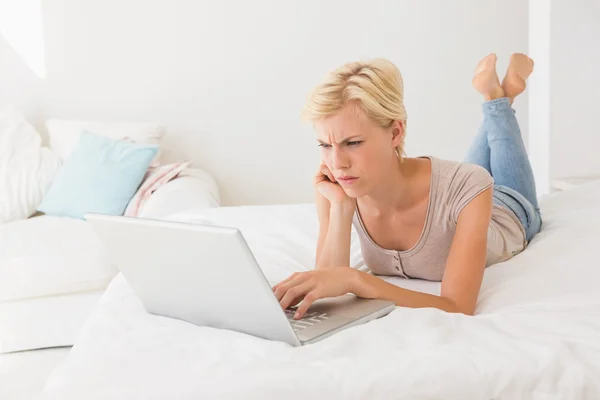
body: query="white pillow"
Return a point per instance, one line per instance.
(26, 168)
(44, 322)
(193, 189)
(64, 134)
(46, 255)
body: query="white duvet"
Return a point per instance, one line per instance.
(536, 335)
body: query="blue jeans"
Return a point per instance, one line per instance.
(499, 148)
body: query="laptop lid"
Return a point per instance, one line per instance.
(202, 274)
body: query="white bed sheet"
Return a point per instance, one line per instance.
(536, 335)
(23, 374)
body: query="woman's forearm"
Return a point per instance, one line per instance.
(370, 286)
(336, 248)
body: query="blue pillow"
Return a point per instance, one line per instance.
(100, 176)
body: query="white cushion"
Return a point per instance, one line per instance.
(23, 374)
(48, 255)
(26, 168)
(44, 322)
(192, 189)
(64, 134)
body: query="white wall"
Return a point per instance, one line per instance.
(229, 78)
(575, 84)
(19, 86)
(539, 93)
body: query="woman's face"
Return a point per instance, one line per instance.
(354, 146)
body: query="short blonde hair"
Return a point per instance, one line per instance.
(375, 85)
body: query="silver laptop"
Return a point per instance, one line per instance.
(207, 275)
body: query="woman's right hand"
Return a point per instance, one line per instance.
(326, 185)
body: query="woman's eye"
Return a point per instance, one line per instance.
(355, 143)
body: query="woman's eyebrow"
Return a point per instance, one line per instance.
(343, 141)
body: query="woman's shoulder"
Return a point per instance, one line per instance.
(453, 172)
(451, 169)
(458, 182)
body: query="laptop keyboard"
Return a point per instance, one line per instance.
(308, 320)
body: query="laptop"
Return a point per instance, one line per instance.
(208, 276)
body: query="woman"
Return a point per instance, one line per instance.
(420, 217)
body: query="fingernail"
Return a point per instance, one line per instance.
(297, 315)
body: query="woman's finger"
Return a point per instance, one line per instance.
(328, 173)
(286, 280)
(284, 287)
(294, 292)
(296, 301)
(310, 298)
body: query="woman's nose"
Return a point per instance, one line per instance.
(338, 159)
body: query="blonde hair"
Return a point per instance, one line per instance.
(375, 85)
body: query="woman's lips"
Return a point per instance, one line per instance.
(347, 180)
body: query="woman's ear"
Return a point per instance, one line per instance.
(397, 133)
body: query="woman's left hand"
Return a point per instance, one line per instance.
(310, 286)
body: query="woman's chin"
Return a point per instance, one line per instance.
(352, 193)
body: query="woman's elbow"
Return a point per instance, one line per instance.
(454, 307)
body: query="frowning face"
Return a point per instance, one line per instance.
(356, 148)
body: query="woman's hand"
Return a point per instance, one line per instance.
(328, 187)
(313, 285)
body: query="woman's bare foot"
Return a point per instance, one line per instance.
(486, 80)
(519, 69)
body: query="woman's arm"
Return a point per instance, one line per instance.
(335, 227)
(335, 210)
(322, 205)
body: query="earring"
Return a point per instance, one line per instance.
(399, 156)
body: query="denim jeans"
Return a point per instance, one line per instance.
(499, 148)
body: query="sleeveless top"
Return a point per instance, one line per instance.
(453, 185)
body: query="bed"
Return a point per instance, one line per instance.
(536, 333)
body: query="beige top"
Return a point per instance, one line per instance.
(453, 185)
